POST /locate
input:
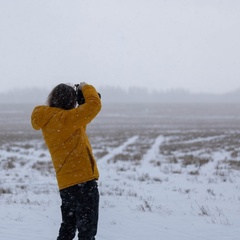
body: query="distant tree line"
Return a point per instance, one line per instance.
(131, 95)
(140, 95)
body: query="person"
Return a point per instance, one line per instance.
(63, 123)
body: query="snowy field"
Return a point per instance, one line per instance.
(168, 172)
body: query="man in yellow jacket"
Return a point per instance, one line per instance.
(63, 125)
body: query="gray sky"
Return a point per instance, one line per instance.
(157, 44)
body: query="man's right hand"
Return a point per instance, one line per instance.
(82, 84)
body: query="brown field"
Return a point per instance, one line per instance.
(192, 132)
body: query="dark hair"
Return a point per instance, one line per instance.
(62, 96)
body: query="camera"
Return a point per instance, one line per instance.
(79, 94)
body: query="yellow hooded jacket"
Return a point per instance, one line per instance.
(64, 132)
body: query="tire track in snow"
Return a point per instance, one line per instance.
(153, 153)
(117, 150)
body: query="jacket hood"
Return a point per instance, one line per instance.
(41, 116)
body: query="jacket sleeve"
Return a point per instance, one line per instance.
(86, 112)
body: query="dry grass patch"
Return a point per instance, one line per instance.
(193, 160)
(45, 168)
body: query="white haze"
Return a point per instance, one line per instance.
(157, 44)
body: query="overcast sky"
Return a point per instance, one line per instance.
(157, 44)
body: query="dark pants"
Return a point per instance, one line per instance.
(79, 211)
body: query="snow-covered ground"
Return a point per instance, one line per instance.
(170, 174)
